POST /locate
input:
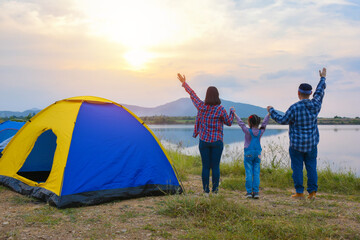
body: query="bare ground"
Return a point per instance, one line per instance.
(26, 218)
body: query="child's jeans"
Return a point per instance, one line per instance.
(252, 171)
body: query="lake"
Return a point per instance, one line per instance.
(338, 149)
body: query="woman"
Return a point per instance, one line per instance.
(210, 119)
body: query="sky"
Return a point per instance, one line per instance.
(253, 51)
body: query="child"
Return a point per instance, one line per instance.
(252, 152)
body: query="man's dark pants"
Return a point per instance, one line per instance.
(297, 162)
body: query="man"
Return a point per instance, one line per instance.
(304, 135)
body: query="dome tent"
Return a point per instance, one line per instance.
(7, 130)
(84, 151)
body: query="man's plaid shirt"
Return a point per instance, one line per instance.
(210, 119)
(302, 120)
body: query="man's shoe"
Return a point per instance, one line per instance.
(312, 195)
(298, 196)
(256, 195)
(248, 195)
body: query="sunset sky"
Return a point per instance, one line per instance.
(253, 51)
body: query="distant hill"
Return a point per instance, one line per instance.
(4, 114)
(178, 108)
(184, 107)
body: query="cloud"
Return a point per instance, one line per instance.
(349, 64)
(350, 11)
(287, 74)
(249, 49)
(23, 88)
(223, 81)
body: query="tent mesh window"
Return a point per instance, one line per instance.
(38, 164)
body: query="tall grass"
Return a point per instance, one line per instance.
(275, 171)
(185, 164)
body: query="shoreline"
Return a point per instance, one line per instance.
(188, 120)
(156, 120)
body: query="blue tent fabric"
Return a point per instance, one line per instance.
(11, 125)
(7, 130)
(7, 133)
(133, 157)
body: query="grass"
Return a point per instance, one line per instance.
(22, 200)
(157, 231)
(71, 213)
(345, 183)
(94, 220)
(219, 218)
(129, 215)
(227, 215)
(185, 164)
(45, 215)
(275, 172)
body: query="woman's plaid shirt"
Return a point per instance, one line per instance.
(210, 119)
(302, 120)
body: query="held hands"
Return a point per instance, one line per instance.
(268, 108)
(232, 109)
(323, 73)
(181, 78)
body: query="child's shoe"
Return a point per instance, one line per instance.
(256, 195)
(248, 195)
(312, 195)
(298, 196)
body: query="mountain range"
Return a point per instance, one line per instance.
(184, 107)
(4, 114)
(180, 107)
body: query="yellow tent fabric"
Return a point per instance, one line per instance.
(60, 118)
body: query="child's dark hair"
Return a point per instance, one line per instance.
(254, 121)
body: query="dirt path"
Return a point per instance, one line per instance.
(26, 218)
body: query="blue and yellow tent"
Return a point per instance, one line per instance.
(7, 130)
(84, 151)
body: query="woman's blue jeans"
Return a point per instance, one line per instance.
(297, 162)
(210, 157)
(252, 171)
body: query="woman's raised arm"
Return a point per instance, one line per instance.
(194, 98)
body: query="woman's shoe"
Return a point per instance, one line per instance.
(256, 195)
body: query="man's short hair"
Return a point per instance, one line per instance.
(305, 89)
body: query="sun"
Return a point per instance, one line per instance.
(137, 25)
(137, 59)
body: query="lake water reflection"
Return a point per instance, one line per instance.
(338, 148)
